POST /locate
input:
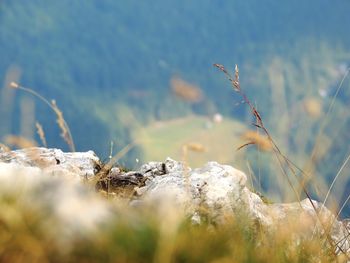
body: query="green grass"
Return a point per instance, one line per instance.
(150, 234)
(166, 139)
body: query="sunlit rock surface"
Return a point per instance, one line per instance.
(221, 192)
(63, 207)
(54, 161)
(215, 191)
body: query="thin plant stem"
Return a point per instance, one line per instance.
(36, 94)
(108, 166)
(279, 155)
(335, 178)
(324, 122)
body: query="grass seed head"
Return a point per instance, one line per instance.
(14, 85)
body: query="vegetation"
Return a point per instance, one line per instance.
(129, 57)
(140, 236)
(116, 77)
(144, 82)
(168, 138)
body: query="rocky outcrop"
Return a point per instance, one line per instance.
(222, 192)
(214, 191)
(62, 206)
(54, 161)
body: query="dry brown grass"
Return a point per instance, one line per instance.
(4, 148)
(41, 133)
(65, 131)
(19, 142)
(186, 91)
(262, 142)
(288, 168)
(193, 147)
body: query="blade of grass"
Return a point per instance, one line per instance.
(282, 159)
(335, 178)
(66, 134)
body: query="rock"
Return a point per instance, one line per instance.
(54, 161)
(64, 207)
(48, 182)
(214, 186)
(214, 192)
(221, 190)
(120, 184)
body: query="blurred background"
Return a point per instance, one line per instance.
(142, 72)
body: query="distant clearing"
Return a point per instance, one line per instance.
(167, 138)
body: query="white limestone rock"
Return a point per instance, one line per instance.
(67, 207)
(54, 161)
(215, 191)
(221, 190)
(217, 187)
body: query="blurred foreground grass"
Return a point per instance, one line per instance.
(136, 237)
(42, 224)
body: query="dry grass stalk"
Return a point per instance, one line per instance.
(111, 150)
(195, 147)
(66, 134)
(261, 141)
(185, 90)
(4, 148)
(41, 133)
(325, 119)
(106, 168)
(7, 98)
(191, 146)
(320, 135)
(14, 85)
(332, 184)
(103, 175)
(284, 163)
(19, 142)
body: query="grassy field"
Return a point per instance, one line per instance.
(167, 139)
